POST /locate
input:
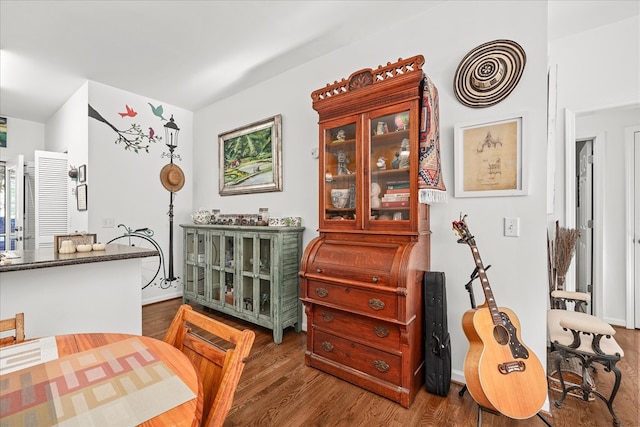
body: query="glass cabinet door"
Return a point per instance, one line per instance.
(216, 266)
(190, 261)
(264, 274)
(339, 190)
(228, 247)
(195, 263)
(390, 167)
(256, 275)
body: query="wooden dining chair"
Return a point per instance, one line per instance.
(15, 323)
(218, 352)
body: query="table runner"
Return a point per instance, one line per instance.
(26, 354)
(120, 384)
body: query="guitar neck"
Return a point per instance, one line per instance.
(486, 287)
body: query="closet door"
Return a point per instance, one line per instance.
(51, 211)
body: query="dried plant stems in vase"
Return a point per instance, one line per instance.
(559, 256)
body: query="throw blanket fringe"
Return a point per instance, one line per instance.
(432, 196)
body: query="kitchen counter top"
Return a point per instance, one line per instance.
(44, 258)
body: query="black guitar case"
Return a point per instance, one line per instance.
(437, 349)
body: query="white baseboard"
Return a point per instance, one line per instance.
(616, 322)
(162, 297)
(457, 376)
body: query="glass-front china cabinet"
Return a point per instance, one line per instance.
(362, 276)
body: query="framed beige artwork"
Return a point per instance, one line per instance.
(489, 160)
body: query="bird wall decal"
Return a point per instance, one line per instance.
(133, 138)
(129, 113)
(158, 111)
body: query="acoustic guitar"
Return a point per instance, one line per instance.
(501, 373)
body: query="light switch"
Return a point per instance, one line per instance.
(512, 227)
(108, 222)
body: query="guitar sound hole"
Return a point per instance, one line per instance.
(501, 335)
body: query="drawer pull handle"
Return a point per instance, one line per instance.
(318, 270)
(327, 346)
(381, 365)
(375, 279)
(322, 292)
(381, 332)
(327, 317)
(376, 304)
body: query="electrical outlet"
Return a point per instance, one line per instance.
(512, 227)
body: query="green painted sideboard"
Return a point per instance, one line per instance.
(249, 272)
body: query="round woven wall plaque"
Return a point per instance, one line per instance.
(488, 73)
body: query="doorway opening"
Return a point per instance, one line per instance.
(612, 195)
(584, 218)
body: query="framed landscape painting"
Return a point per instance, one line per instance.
(251, 158)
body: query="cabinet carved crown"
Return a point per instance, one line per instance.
(367, 77)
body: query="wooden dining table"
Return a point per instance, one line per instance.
(118, 378)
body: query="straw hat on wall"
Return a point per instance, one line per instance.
(172, 177)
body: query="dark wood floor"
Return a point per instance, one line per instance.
(277, 389)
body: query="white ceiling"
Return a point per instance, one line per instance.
(192, 53)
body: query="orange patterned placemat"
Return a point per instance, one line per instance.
(121, 384)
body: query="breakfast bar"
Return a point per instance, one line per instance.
(96, 291)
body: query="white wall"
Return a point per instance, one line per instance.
(443, 35)
(125, 186)
(598, 70)
(611, 124)
(66, 132)
(23, 137)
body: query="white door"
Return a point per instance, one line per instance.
(14, 203)
(29, 225)
(52, 182)
(584, 218)
(636, 225)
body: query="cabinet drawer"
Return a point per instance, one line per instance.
(376, 332)
(358, 261)
(365, 359)
(374, 303)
